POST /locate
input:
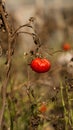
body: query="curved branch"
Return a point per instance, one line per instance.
(32, 34)
(25, 25)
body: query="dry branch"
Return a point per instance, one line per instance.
(5, 82)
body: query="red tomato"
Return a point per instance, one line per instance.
(40, 65)
(66, 46)
(43, 108)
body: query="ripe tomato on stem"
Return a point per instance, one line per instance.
(40, 65)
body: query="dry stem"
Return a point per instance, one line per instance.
(5, 82)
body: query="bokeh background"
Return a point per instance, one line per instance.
(55, 14)
(28, 90)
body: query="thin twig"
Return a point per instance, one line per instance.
(65, 110)
(25, 25)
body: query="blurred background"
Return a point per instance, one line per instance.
(54, 18)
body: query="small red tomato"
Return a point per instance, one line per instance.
(66, 46)
(40, 65)
(43, 108)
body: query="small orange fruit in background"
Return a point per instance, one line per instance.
(66, 46)
(43, 108)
